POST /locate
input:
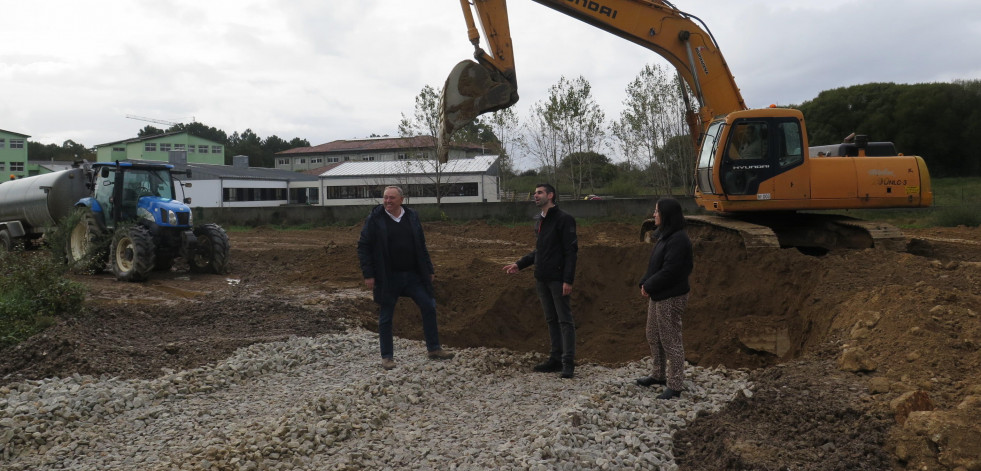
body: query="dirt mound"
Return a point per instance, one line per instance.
(805, 416)
(140, 339)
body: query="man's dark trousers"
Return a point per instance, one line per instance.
(558, 316)
(408, 283)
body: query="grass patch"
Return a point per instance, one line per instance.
(960, 215)
(956, 191)
(34, 292)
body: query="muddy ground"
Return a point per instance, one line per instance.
(863, 359)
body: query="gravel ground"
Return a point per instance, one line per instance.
(324, 403)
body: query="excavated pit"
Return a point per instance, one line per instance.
(744, 310)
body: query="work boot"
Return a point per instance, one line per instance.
(648, 381)
(550, 366)
(440, 354)
(568, 371)
(669, 394)
(388, 363)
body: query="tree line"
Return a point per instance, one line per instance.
(937, 121)
(647, 149)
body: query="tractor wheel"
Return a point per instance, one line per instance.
(132, 254)
(6, 242)
(210, 255)
(86, 244)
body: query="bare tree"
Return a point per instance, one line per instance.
(653, 114)
(504, 124)
(581, 122)
(542, 138)
(568, 122)
(425, 121)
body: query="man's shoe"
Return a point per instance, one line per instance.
(550, 366)
(669, 394)
(648, 381)
(440, 355)
(568, 371)
(388, 363)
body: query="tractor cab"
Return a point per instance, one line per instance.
(128, 191)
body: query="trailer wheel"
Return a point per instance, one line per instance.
(6, 242)
(211, 253)
(132, 254)
(87, 248)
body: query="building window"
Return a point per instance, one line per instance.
(370, 158)
(282, 161)
(16, 143)
(2, 143)
(3, 165)
(403, 156)
(354, 192)
(150, 147)
(449, 190)
(179, 147)
(215, 149)
(16, 166)
(333, 159)
(119, 149)
(190, 149)
(303, 161)
(317, 160)
(253, 194)
(164, 147)
(203, 149)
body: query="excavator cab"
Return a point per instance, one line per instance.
(747, 150)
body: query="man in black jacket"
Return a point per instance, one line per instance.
(395, 262)
(554, 258)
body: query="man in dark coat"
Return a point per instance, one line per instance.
(554, 257)
(395, 262)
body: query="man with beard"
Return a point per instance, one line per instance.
(554, 258)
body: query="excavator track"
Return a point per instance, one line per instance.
(754, 236)
(808, 232)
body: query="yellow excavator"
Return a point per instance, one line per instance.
(755, 173)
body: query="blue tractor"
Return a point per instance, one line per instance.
(132, 219)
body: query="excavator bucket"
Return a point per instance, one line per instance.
(470, 90)
(647, 231)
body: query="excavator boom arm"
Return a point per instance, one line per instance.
(490, 84)
(671, 33)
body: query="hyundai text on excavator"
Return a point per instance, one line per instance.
(755, 173)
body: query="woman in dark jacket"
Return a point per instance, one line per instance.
(666, 284)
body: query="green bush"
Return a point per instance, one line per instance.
(33, 292)
(624, 188)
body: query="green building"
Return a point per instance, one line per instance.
(168, 147)
(13, 154)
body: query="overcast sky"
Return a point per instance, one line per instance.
(343, 69)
